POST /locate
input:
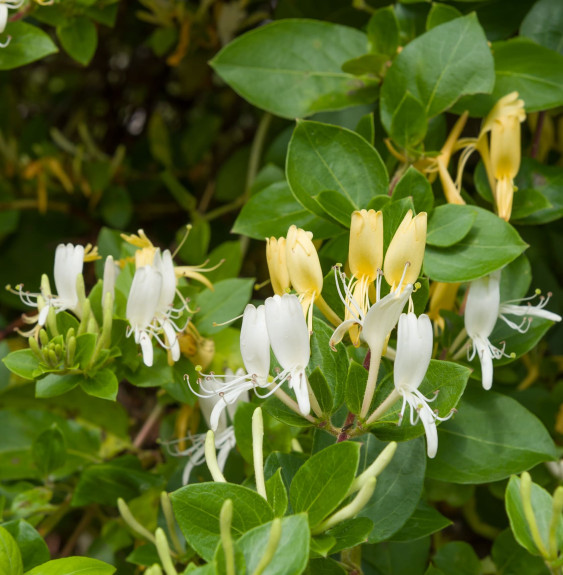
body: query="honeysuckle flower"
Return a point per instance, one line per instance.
(481, 312)
(255, 352)
(142, 304)
(69, 261)
(442, 297)
(365, 257)
(224, 435)
(304, 269)
(276, 259)
(4, 6)
(110, 273)
(528, 311)
(289, 338)
(403, 259)
(414, 351)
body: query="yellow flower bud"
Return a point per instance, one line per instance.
(303, 264)
(405, 253)
(442, 296)
(365, 256)
(277, 265)
(144, 257)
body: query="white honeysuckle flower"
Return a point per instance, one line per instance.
(142, 303)
(110, 273)
(379, 320)
(225, 390)
(482, 309)
(528, 312)
(69, 261)
(414, 351)
(289, 338)
(4, 6)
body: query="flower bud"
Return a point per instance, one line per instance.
(406, 250)
(365, 255)
(303, 264)
(277, 265)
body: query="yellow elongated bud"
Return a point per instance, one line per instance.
(303, 263)
(365, 255)
(405, 253)
(442, 296)
(277, 265)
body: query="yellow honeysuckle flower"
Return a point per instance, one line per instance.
(139, 240)
(442, 297)
(277, 265)
(405, 253)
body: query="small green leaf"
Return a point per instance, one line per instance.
(85, 346)
(32, 546)
(383, 31)
(338, 207)
(350, 533)
(449, 224)
(512, 559)
(22, 362)
(49, 450)
(28, 44)
(355, 386)
(52, 384)
(424, 521)
(73, 566)
(323, 481)
(409, 123)
(457, 557)
(197, 508)
(277, 495)
(415, 186)
(491, 437)
(527, 203)
(102, 384)
(79, 38)
(440, 14)
(321, 390)
(366, 128)
(10, 556)
(544, 24)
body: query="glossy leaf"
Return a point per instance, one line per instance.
(383, 31)
(323, 157)
(491, 437)
(79, 38)
(458, 557)
(424, 521)
(415, 186)
(449, 224)
(102, 384)
(73, 566)
(28, 44)
(269, 61)
(277, 494)
(10, 556)
(49, 450)
(408, 124)
(32, 546)
(544, 24)
(512, 559)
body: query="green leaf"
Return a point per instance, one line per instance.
(409, 558)
(533, 71)
(102, 384)
(276, 408)
(289, 463)
(544, 24)
(440, 14)
(85, 346)
(356, 382)
(424, 521)
(22, 362)
(366, 128)
(322, 482)
(415, 186)
(371, 64)
(383, 32)
(449, 224)
(527, 203)
(542, 506)
(334, 365)
(350, 533)
(491, 244)
(324, 566)
(491, 437)
(10, 556)
(409, 123)
(439, 67)
(32, 546)
(28, 44)
(197, 508)
(292, 552)
(49, 450)
(323, 157)
(393, 215)
(338, 207)
(273, 210)
(398, 488)
(105, 483)
(277, 495)
(73, 566)
(79, 38)
(457, 557)
(52, 385)
(300, 59)
(321, 390)
(224, 303)
(512, 559)
(446, 377)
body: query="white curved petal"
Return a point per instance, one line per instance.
(146, 348)
(69, 261)
(255, 342)
(529, 311)
(485, 357)
(3, 17)
(383, 316)
(429, 423)
(287, 328)
(482, 305)
(143, 297)
(414, 351)
(164, 264)
(340, 332)
(110, 273)
(298, 383)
